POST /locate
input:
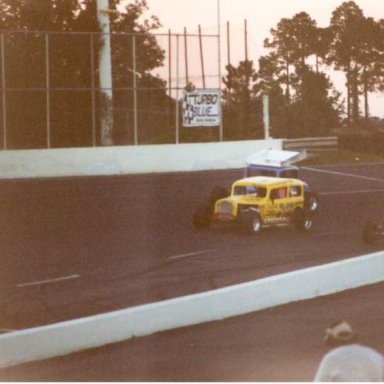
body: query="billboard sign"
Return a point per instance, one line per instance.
(201, 108)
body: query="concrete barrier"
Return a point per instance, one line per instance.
(75, 335)
(129, 159)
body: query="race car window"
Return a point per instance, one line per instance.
(279, 193)
(261, 192)
(239, 190)
(295, 191)
(249, 190)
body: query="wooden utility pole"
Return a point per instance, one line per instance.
(246, 40)
(228, 46)
(169, 63)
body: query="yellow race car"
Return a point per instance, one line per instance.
(257, 202)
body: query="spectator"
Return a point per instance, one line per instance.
(348, 360)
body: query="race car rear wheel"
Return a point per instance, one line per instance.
(202, 216)
(302, 220)
(311, 203)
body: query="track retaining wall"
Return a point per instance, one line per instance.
(75, 335)
(129, 159)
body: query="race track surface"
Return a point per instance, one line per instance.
(75, 247)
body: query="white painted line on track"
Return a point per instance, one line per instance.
(342, 174)
(319, 234)
(358, 164)
(351, 192)
(185, 255)
(49, 281)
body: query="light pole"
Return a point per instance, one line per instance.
(105, 73)
(266, 117)
(219, 64)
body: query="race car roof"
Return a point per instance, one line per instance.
(267, 180)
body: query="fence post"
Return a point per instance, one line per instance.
(47, 85)
(201, 57)
(134, 74)
(3, 92)
(177, 89)
(92, 53)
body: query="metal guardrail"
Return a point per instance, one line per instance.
(313, 144)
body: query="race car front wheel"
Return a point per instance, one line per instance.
(251, 222)
(202, 216)
(312, 203)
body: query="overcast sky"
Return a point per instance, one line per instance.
(261, 16)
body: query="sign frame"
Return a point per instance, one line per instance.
(201, 108)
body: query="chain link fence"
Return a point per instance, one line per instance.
(52, 91)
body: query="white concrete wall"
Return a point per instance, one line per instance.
(131, 159)
(70, 336)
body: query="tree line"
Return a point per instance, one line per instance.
(303, 100)
(56, 44)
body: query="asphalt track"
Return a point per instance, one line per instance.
(79, 246)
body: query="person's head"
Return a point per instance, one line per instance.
(339, 333)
